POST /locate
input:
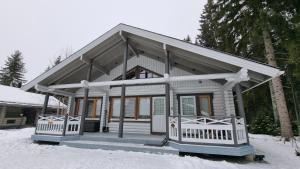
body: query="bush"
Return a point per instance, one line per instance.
(295, 128)
(264, 124)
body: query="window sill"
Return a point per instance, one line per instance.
(130, 120)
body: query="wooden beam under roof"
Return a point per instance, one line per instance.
(96, 65)
(45, 89)
(134, 51)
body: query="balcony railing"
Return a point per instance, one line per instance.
(230, 131)
(58, 125)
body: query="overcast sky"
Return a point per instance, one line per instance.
(44, 29)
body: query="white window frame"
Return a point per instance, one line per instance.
(181, 106)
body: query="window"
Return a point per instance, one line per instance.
(196, 105)
(188, 105)
(205, 105)
(116, 102)
(144, 107)
(139, 73)
(158, 105)
(130, 107)
(94, 107)
(90, 108)
(136, 107)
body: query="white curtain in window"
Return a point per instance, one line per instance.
(98, 107)
(144, 108)
(130, 107)
(116, 107)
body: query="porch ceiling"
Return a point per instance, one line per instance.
(107, 52)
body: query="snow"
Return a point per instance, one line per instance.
(17, 151)
(16, 96)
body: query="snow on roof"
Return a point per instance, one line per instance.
(16, 96)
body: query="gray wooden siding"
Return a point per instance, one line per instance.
(18, 121)
(205, 86)
(131, 127)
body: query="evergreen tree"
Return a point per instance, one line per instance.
(207, 29)
(13, 71)
(253, 29)
(57, 61)
(188, 39)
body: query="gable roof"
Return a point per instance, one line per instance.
(18, 97)
(152, 44)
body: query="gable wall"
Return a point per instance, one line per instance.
(206, 86)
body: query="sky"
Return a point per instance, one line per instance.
(45, 29)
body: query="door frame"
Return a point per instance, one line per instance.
(151, 119)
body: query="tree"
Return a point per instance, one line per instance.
(251, 29)
(207, 29)
(13, 71)
(56, 62)
(188, 39)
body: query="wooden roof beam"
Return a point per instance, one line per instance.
(96, 65)
(129, 45)
(45, 89)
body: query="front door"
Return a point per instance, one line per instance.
(158, 115)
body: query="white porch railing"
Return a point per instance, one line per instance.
(54, 125)
(208, 130)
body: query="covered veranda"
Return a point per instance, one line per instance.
(123, 42)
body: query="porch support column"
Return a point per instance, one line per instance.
(241, 108)
(167, 88)
(2, 114)
(85, 99)
(122, 106)
(70, 110)
(103, 120)
(44, 110)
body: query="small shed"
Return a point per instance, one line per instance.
(18, 108)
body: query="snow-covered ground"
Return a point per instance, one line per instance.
(18, 152)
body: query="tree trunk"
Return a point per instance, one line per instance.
(275, 112)
(284, 119)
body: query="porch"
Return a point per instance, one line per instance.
(225, 136)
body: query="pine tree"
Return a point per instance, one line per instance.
(188, 39)
(207, 29)
(251, 29)
(13, 71)
(56, 62)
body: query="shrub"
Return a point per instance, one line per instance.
(264, 124)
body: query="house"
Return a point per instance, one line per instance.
(142, 91)
(18, 107)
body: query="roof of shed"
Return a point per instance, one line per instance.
(18, 97)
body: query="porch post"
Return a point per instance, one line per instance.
(65, 124)
(85, 100)
(122, 106)
(241, 108)
(44, 110)
(234, 129)
(167, 88)
(105, 106)
(2, 114)
(70, 109)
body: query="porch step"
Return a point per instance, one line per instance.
(120, 146)
(128, 138)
